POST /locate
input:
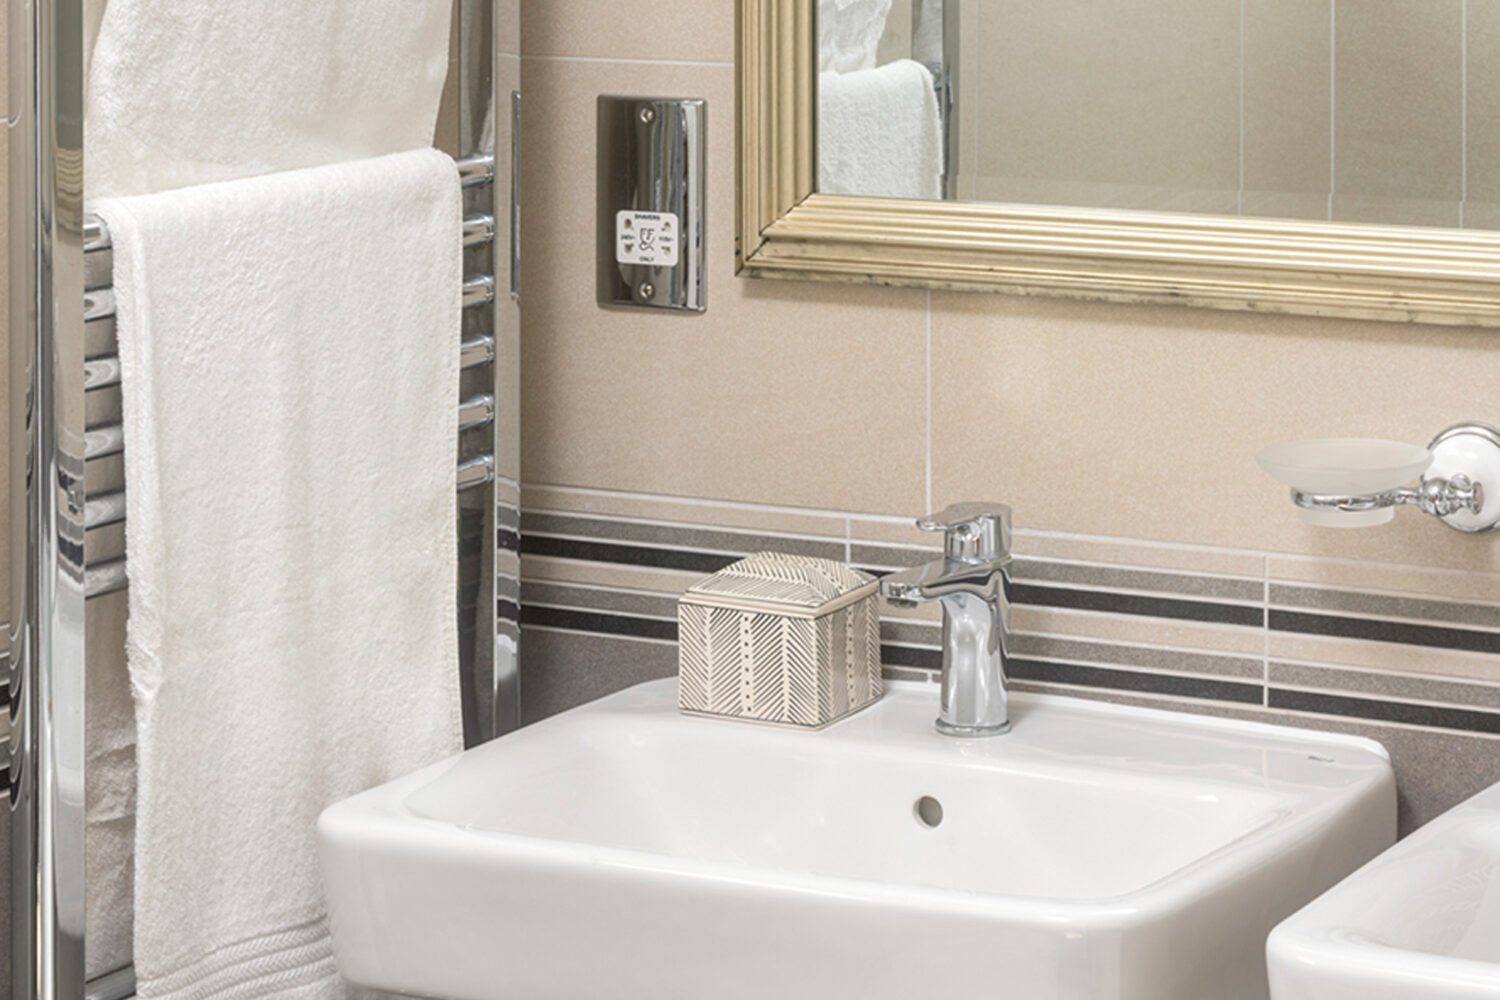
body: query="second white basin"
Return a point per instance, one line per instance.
(1421, 922)
(622, 850)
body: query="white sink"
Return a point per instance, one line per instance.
(1421, 922)
(621, 850)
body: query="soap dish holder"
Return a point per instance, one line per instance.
(1356, 482)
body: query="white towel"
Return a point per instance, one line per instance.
(109, 795)
(849, 33)
(184, 92)
(880, 133)
(290, 377)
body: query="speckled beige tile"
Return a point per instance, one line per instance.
(1414, 581)
(1386, 684)
(1135, 629)
(648, 579)
(1123, 103)
(1287, 113)
(629, 29)
(681, 511)
(1129, 552)
(1383, 656)
(1147, 418)
(1398, 111)
(788, 393)
(895, 530)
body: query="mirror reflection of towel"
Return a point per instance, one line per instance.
(880, 133)
(849, 32)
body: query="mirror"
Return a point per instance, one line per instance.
(1308, 156)
(1382, 111)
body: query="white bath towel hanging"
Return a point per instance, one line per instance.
(289, 347)
(880, 133)
(184, 92)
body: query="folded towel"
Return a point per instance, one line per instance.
(880, 133)
(109, 794)
(184, 92)
(289, 350)
(849, 33)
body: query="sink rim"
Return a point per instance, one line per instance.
(1293, 819)
(1324, 935)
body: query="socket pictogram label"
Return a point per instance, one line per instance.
(648, 238)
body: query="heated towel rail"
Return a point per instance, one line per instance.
(104, 437)
(67, 505)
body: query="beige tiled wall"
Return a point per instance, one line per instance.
(1127, 421)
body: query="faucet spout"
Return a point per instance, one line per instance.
(970, 583)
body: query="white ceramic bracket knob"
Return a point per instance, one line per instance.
(1471, 450)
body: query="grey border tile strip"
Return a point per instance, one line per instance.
(695, 539)
(1083, 675)
(912, 646)
(630, 555)
(560, 595)
(1427, 716)
(911, 633)
(1136, 604)
(898, 674)
(1094, 652)
(1375, 630)
(918, 657)
(541, 535)
(1385, 685)
(1385, 605)
(592, 621)
(1155, 658)
(1226, 588)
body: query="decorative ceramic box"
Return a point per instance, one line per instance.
(780, 639)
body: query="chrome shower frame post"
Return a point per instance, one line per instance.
(489, 573)
(943, 64)
(46, 470)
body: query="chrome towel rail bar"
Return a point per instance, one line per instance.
(102, 371)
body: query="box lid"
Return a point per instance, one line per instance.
(776, 581)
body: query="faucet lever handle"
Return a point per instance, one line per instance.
(973, 532)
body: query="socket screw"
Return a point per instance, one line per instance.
(646, 290)
(648, 115)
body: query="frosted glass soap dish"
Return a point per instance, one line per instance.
(1356, 482)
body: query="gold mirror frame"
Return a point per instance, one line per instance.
(784, 229)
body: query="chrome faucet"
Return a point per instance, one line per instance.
(970, 582)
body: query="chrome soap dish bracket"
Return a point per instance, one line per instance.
(1357, 482)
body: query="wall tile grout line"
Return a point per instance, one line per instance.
(929, 401)
(1265, 639)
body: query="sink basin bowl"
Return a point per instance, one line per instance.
(622, 850)
(1421, 922)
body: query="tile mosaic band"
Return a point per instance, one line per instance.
(1105, 615)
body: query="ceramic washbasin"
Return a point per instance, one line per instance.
(1421, 922)
(621, 850)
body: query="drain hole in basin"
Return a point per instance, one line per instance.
(929, 811)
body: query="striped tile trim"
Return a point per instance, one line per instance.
(1095, 591)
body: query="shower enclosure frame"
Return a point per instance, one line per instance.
(47, 437)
